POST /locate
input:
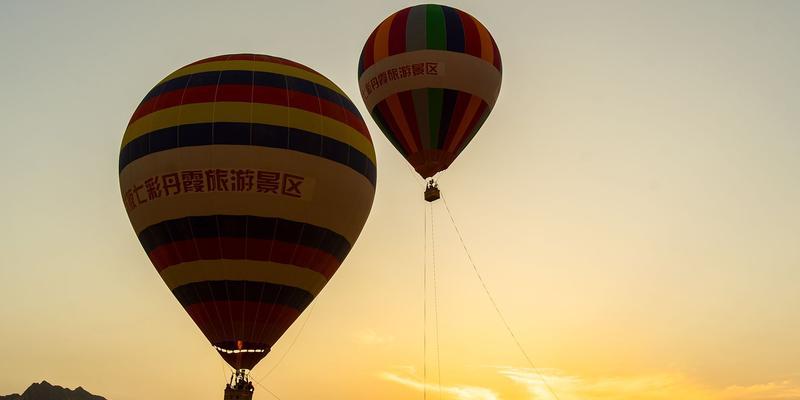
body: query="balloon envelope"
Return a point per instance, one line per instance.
(430, 75)
(247, 180)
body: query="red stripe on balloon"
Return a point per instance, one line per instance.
(207, 320)
(386, 114)
(498, 63)
(410, 113)
(184, 251)
(255, 94)
(369, 50)
(472, 127)
(462, 99)
(243, 320)
(341, 114)
(472, 39)
(397, 32)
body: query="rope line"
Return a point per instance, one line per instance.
(291, 345)
(224, 373)
(435, 305)
(494, 304)
(268, 391)
(425, 310)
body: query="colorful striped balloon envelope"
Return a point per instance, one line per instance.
(247, 179)
(429, 76)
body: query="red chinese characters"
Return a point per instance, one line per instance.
(242, 180)
(153, 186)
(418, 69)
(291, 185)
(133, 197)
(213, 180)
(432, 68)
(193, 181)
(172, 184)
(268, 182)
(400, 72)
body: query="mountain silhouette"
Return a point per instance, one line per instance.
(46, 391)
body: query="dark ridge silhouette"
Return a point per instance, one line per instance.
(46, 391)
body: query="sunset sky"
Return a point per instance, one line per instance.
(632, 203)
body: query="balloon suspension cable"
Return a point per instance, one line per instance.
(267, 389)
(425, 309)
(291, 345)
(225, 368)
(436, 307)
(425, 306)
(496, 307)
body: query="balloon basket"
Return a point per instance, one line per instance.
(240, 387)
(432, 192)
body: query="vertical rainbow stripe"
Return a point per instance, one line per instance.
(432, 123)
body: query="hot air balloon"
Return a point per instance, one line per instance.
(247, 179)
(429, 76)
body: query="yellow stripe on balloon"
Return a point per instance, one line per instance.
(243, 270)
(382, 39)
(250, 113)
(325, 206)
(256, 66)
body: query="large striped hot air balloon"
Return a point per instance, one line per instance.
(430, 75)
(247, 179)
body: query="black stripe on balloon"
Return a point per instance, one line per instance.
(207, 291)
(237, 77)
(449, 98)
(455, 30)
(244, 226)
(361, 64)
(242, 133)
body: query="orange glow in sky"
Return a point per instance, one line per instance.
(632, 204)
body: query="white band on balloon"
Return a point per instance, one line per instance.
(430, 69)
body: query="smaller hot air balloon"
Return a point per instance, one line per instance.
(429, 76)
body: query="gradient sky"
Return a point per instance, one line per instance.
(632, 202)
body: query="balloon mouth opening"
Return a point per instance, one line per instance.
(241, 355)
(429, 162)
(238, 351)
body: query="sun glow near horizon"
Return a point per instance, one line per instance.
(631, 203)
(525, 383)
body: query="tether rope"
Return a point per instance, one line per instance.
(224, 369)
(291, 345)
(268, 391)
(435, 305)
(425, 309)
(494, 304)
